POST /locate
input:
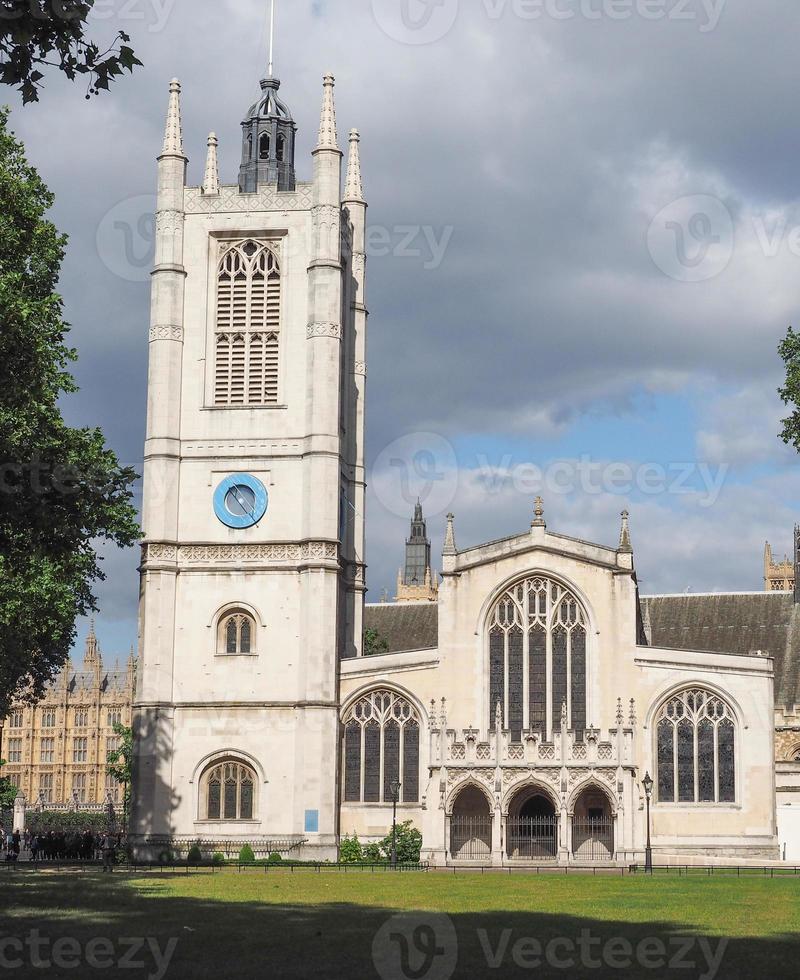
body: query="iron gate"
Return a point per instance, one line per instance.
(535, 838)
(593, 839)
(470, 838)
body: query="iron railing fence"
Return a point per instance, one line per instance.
(532, 838)
(593, 839)
(470, 838)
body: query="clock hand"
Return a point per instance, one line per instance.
(243, 503)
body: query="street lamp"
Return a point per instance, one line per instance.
(394, 789)
(647, 783)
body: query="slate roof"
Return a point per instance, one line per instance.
(405, 626)
(733, 623)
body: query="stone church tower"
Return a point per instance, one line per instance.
(416, 581)
(252, 574)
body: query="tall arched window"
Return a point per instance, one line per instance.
(247, 325)
(236, 634)
(381, 745)
(696, 751)
(228, 792)
(537, 658)
(264, 145)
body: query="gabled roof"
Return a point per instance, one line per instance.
(405, 626)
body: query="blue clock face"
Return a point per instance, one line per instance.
(241, 501)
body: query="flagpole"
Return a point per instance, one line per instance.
(271, 35)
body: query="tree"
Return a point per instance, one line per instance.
(61, 490)
(37, 34)
(8, 791)
(790, 393)
(120, 762)
(374, 643)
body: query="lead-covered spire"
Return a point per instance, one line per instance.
(327, 124)
(173, 134)
(354, 188)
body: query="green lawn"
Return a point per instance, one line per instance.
(309, 925)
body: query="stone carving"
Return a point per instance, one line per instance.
(332, 330)
(165, 332)
(267, 199)
(360, 368)
(309, 550)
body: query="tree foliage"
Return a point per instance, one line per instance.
(37, 34)
(120, 761)
(8, 790)
(61, 490)
(790, 392)
(374, 643)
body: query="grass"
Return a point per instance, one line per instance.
(231, 925)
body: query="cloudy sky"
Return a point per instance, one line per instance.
(584, 251)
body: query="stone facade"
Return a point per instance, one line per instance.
(779, 576)
(416, 581)
(57, 749)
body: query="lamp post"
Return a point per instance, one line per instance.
(394, 788)
(647, 783)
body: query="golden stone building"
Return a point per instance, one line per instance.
(56, 751)
(779, 576)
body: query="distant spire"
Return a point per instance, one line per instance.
(91, 655)
(173, 135)
(353, 188)
(538, 514)
(211, 179)
(271, 35)
(450, 537)
(625, 546)
(797, 564)
(327, 123)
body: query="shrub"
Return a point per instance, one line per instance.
(195, 855)
(350, 851)
(218, 860)
(57, 821)
(166, 857)
(372, 853)
(246, 855)
(274, 858)
(409, 844)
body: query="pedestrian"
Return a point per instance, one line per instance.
(34, 848)
(108, 853)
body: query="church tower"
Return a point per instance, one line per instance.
(252, 574)
(416, 581)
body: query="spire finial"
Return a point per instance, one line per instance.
(354, 188)
(450, 537)
(538, 514)
(173, 134)
(91, 653)
(211, 179)
(327, 123)
(625, 546)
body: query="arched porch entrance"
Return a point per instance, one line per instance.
(532, 826)
(471, 826)
(592, 827)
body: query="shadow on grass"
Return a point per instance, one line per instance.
(149, 932)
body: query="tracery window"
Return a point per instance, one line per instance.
(47, 750)
(114, 717)
(15, 750)
(537, 658)
(46, 787)
(48, 718)
(237, 633)
(696, 751)
(79, 787)
(229, 792)
(80, 749)
(381, 745)
(81, 718)
(247, 325)
(16, 719)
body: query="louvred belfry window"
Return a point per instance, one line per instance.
(247, 325)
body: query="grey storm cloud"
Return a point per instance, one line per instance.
(514, 166)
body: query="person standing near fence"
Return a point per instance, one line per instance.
(108, 853)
